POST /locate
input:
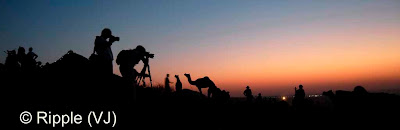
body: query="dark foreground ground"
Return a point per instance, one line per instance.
(69, 86)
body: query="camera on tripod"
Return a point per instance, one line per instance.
(149, 55)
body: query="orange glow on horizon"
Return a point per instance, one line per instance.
(340, 57)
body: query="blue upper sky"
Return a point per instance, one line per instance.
(52, 27)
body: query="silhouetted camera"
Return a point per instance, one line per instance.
(149, 55)
(114, 38)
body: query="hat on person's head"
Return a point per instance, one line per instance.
(247, 87)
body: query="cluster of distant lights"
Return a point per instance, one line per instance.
(316, 95)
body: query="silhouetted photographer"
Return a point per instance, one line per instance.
(102, 47)
(128, 59)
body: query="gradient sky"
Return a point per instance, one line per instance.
(272, 46)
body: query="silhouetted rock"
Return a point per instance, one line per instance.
(359, 90)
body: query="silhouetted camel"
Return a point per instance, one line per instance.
(221, 96)
(203, 83)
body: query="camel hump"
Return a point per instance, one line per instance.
(205, 79)
(209, 81)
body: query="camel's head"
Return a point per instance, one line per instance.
(187, 75)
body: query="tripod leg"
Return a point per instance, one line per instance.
(151, 81)
(144, 82)
(138, 80)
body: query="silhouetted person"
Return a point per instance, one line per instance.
(22, 58)
(102, 47)
(299, 93)
(178, 84)
(167, 82)
(31, 59)
(298, 100)
(11, 63)
(248, 94)
(128, 59)
(259, 98)
(31, 54)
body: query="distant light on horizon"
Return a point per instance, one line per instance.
(283, 98)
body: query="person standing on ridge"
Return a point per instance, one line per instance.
(102, 46)
(248, 94)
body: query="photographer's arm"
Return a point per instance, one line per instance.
(109, 43)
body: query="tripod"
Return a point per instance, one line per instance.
(141, 78)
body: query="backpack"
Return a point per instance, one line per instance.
(122, 57)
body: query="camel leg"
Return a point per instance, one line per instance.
(209, 92)
(200, 91)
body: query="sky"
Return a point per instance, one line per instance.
(271, 46)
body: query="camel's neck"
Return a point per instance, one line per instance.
(190, 80)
